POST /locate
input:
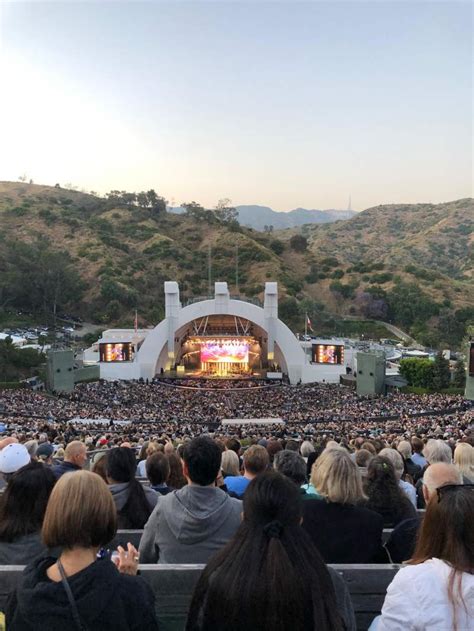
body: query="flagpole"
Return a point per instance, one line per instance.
(305, 337)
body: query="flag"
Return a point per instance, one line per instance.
(136, 321)
(308, 323)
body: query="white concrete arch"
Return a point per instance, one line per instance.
(158, 349)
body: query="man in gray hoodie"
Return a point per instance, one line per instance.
(189, 525)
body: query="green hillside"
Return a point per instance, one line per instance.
(102, 258)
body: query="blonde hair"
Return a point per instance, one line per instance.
(80, 513)
(335, 476)
(464, 460)
(230, 462)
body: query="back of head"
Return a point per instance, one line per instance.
(203, 460)
(73, 449)
(230, 462)
(404, 448)
(157, 468)
(382, 484)
(437, 451)
(336, 476)
(23, 503)
(417, 444)
(121, 464)
(291, 465)
(269, 576)
(396, 460)
(306, 448)
(273, 447)
(464, 460)
(233, 444)
(446, 531)
(80, 513)
(256, 460)
(292, 445)
(363, 457)
(440, 474)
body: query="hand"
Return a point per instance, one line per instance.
(127, 560)
(220, 479)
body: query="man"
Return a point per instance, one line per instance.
(189, 525)
(401, 543)
(396, 459)
(157, 469)
(292, 465)
(417, 446)
(414, 470)
(434, 451)
(255, 461)
(75, 458)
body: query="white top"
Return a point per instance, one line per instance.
(409, 491)
(417, 600)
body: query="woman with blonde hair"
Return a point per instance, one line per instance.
(464, 461)
(337, 522)
(230, 463)
(78, 591)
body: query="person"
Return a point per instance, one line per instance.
(341, 528)
(413, 470)
(401, 543)
(293, 466)
(100, 465)
(398, 465)
(176, 478)
(189, 525)
(270, 575)
(80, 519)
(417, 456)
(435, 450)
(45, 452)
(229, 463)
(255, 461)
(147, 450)
(134, 501)
(22, 508)
(436, 589)
(464, 461)
(384, 495)
(75, 458)
(158, 471)
(12, 458)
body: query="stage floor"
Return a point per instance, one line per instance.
(198, 374)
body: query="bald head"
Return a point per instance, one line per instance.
(438, 475)
(76, 453)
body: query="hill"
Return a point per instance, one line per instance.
(262, 217)
(101, 258)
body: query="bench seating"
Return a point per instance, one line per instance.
(173, 586)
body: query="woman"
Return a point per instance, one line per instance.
(230, 463)
(270, 576)
(176, 479)
(147, 450)
(80, 519)
(464, 461)
(385, 497)
(134, 502)
(342, 529)
(436, 591)
(22, 508)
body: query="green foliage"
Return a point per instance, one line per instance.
(338, 273)
(277, 246)
(418, 372)
(298, 243)
(407, 304)
(346, 291)
(459, 374)
(441, 373)
(17, 363)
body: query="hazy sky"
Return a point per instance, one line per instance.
(283, 104)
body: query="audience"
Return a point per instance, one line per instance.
(270, 576)
(75, 457)
(158, 472)
(398, 466)
(340, 527)
(435, 591)
(384, 494)
(292, 465)
(22, 508)
(413, 470)
(189, 525)
(134, 501)
(255, 461)
(77, 591)
(464, 461)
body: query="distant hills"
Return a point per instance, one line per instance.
(261, 217)
(408, 264)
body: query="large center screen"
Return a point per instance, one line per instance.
(225, 353)
(328, 353)
(119, 352)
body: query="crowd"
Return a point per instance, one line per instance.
(265, 509)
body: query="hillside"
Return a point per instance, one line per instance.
(102, 258)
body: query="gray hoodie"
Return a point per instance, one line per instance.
(189, 525)
(120, 495)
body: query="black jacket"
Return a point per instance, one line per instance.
(343, 533)
(106, 600)
(64, 467)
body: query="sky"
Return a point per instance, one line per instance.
(285, 104)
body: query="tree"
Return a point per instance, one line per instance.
(441, 372)
(277, 246)
(299, 243)
(418, 372)
(225, 211)
(459, 374)
(195, 210)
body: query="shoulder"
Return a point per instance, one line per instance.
(135, 589)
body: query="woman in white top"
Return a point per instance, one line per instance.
(435, 592)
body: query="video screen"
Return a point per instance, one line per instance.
(119, 352)
(231, 353)
(471, 360)
(328, 353)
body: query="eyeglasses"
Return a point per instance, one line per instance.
(450, 488)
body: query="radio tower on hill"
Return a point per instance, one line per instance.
(349, 205)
